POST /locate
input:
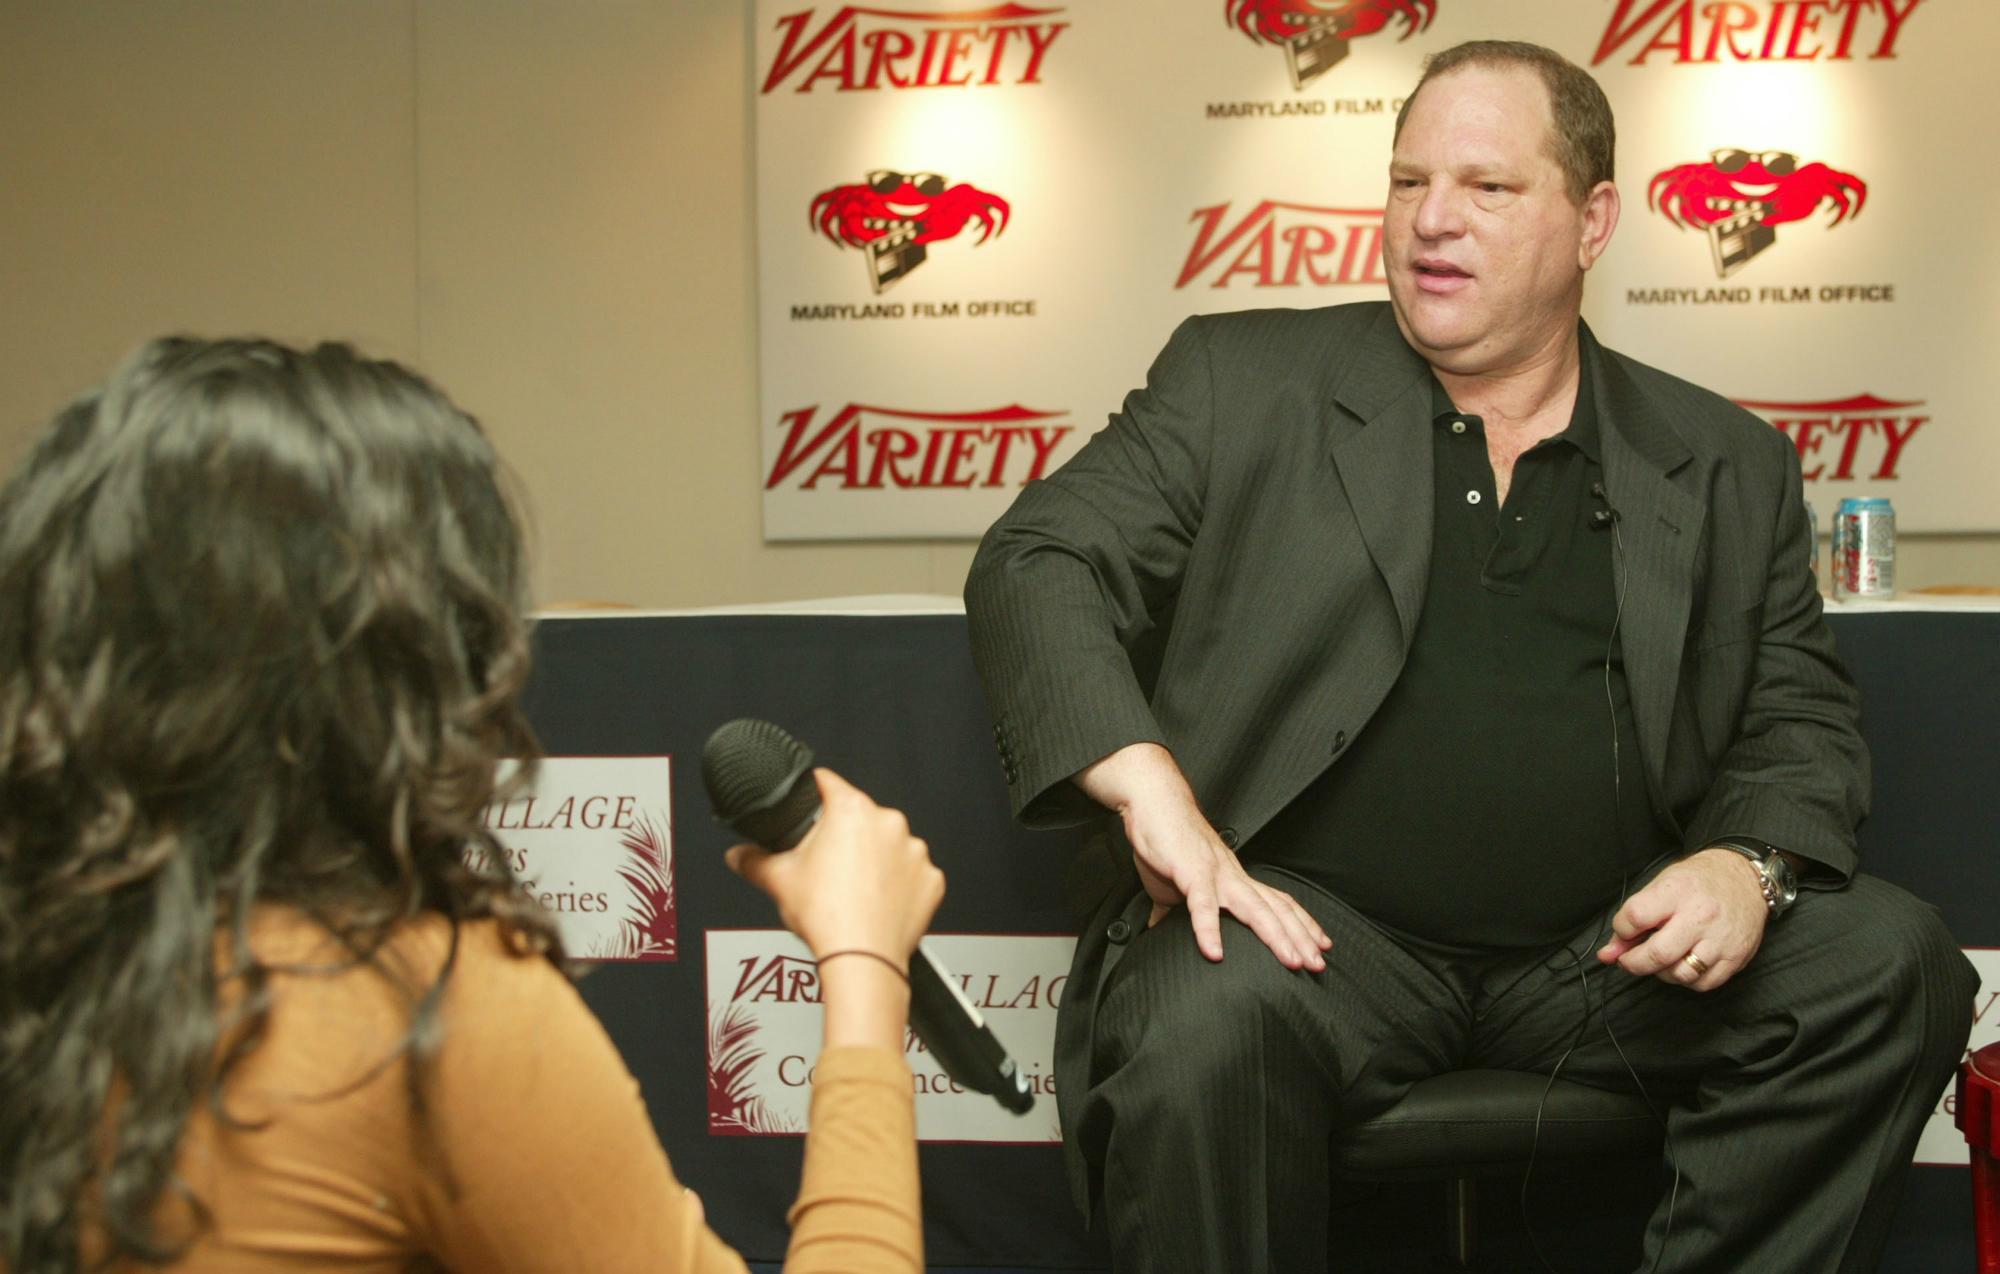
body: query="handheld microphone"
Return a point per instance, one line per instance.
(759, 781)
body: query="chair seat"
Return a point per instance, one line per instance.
(1482, 1123)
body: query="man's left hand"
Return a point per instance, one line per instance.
(1708, 905)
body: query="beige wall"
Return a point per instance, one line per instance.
(546, 206)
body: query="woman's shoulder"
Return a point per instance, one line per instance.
(470, 964)
(286, 937)
(458, 993)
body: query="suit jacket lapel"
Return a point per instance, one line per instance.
(1661, 527)
(1378, 428)
(1379, 436)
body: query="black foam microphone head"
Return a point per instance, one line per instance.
(759, 781)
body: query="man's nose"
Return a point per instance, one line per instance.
(1440, 215)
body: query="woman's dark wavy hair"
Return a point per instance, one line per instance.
(261, 641)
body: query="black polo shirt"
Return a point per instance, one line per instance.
(1482, 809)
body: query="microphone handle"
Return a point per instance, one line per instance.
(954, 1032)
(948, 1023)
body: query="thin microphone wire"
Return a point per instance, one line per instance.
(1582, 972)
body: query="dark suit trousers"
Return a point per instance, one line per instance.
(1794, 1094)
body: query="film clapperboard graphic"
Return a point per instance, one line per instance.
(1739, 237)
(1317, 49)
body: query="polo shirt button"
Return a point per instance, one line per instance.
(1458, 426)
(1472, 497)
(1228, 835)
(1119, 931)
(1339, 740)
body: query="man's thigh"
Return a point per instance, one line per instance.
(1376, 1020)
(1837, 965)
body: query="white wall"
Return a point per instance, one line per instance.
(546, 206)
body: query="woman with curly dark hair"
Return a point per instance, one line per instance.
(261, 649)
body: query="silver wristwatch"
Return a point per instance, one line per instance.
(1774, 872)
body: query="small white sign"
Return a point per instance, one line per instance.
(593, 842)
(764, 1029)
(1942, 1142)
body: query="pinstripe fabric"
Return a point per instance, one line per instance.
(1797, 1091)
(1271, 487)
(1238, 1180)
(1234, 566)
(1799, 1088)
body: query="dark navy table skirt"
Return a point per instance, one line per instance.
(890, 700)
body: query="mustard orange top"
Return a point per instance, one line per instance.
(543, 1157)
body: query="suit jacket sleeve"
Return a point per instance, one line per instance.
(1079, 569)
(1795, 771)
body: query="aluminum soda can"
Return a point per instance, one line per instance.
(1864, 549)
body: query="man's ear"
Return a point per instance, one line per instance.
(1600, 218)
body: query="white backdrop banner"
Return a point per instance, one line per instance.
(765, 1023)
(593, 842)
(977, 224)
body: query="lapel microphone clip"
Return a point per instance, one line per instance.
(1604, 517)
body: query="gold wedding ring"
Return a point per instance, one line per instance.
(1695, 962)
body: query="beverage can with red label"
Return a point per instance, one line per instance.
(1864, 549)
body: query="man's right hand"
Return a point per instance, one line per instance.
(1182, 861)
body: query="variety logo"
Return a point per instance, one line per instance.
(870, 448)
(1842, 439)
(1315, 33)
(1277, 244)
(895, 215)
(592, 842)
(1768, 31)
(861, 48)
(765, 1022)
(1738, 197)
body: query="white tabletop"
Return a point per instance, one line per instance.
(872, 604)
(881, 604)
(1916, 602)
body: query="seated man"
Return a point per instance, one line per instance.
(1478, 671)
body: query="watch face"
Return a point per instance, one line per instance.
(1784, 881)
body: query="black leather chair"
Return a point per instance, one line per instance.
(1465, 1125)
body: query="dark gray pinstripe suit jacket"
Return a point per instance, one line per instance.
(1234, 568)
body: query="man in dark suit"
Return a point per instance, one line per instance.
(1460, 661)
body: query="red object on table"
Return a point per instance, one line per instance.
(1979, 1120)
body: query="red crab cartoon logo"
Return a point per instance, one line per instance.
(1739, 195)
(1315, 33)
(895, 215)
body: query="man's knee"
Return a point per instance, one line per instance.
(1934, 968)
(1917, 977)
(1165, 1003)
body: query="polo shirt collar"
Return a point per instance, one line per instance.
(1583, 431)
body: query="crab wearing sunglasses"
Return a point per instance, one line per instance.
(1773, 185)
(905, 207)
(1276, 21)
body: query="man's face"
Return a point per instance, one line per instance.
(1484, 249)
